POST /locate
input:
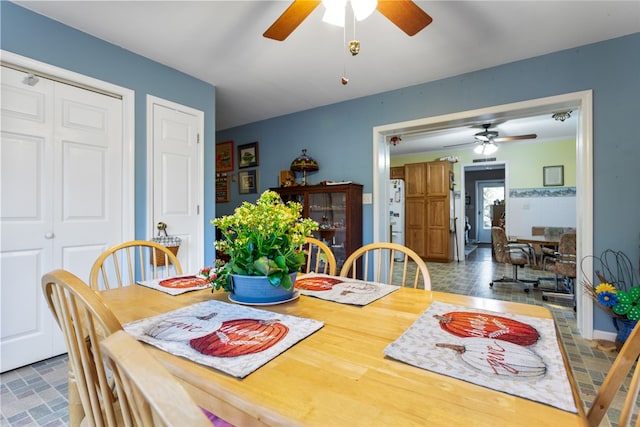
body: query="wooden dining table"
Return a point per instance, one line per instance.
(539, 241)
(551, 241)
(339, 376)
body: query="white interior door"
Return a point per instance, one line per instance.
(88, 180)
(177, 183)
(61, 189)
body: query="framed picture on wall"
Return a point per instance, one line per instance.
(248, 182)
(222, 188)
(224, 157)
(553, 176)
(248, 155)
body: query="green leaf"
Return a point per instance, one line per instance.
(286, 282)
(275, 279)
(280, 261)
(262, 265)
(236, 269)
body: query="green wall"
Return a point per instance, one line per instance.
(525, 161)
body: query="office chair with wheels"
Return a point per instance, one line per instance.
(563, 264)
(516, 254)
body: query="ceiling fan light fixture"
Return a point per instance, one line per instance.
(363, 8)
(561, 115)
(335, 10)
(486, 148)
(334, 13)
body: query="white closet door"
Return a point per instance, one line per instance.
(60, 201)
(28, 331)
(178, 179)
(87, 177)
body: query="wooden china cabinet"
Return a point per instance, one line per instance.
(338, 211)
(428, 209)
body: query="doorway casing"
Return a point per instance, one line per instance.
(581, 102)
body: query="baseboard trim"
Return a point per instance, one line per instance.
(604, 335)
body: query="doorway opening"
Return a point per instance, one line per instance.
(489, 194)
(580, 102)
(478, 208)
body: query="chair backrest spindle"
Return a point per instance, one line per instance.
(320, 258)
(120, 265)
(84, 320)
(384, 255)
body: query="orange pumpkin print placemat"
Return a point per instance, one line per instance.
(511, 353)
(232, 338)
(342, 289)
(176, 285)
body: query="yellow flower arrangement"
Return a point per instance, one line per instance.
(261, 239)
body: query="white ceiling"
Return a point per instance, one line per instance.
(461, 137)
(256, 78)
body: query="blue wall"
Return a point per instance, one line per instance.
(339, 136)
(28, 34)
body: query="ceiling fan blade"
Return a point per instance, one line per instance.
(515, 138)
(405, 14)
(290, 19)
(460, 145)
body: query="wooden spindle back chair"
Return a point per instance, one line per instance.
(391, 256)
(123, 263)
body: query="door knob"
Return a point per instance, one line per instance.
(48, 235)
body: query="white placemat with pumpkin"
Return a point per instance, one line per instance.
(511, 353)
(176, 285)
(342, 289)
(232, 338)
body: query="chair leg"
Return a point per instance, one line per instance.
(76, 411)
(515, 279)
(566, 293)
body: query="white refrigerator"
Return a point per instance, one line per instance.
(396, 212)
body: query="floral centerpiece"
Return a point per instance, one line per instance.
(617, 291)
(261, 239)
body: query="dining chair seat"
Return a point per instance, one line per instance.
(405, 267)
(123, 264)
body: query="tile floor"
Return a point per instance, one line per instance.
(37, 394)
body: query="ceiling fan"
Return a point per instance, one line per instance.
(490, 137)
(405, 14)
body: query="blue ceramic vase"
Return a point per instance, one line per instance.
(624, 328)
(258, 290)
